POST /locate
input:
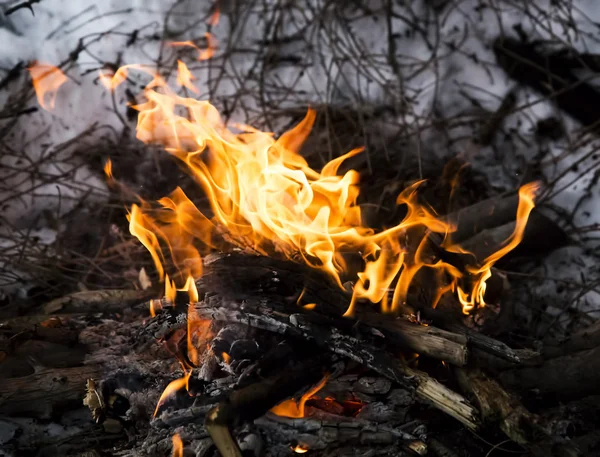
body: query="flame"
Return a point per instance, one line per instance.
(154, 304)
(213, 20)
(293, 409)
(203, 54)
(226, 357)
(300, 449)
(114, 80)
(47, 79)
(185, 77)
(264, 196)
(108, 169)
(171, 388)
(481, 274)
(177, 446)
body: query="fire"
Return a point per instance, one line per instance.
(185, 77)
(177, 446)
(300, 449)
(47, 79)
(213, 20)
(203, 54)
(484, 272)
(291, 408)
(263, 195)
(173, 387)
(226, 357)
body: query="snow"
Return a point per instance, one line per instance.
(435, 77)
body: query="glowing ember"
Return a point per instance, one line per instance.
(47, 79)
(177, 446)
(226, 358)
(300, 449)
(291, 408)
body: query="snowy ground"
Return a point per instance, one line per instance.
(439, 62)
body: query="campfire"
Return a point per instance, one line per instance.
(280, 319)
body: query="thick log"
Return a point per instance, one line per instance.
(240, 277)
(40, 393)
(572, 375)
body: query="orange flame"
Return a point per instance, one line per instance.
(170, 390)
(203, 54)
(153, 305)
(185, 77)
(484, 272)
(177, 446)
(300, 449)
(293, 409)
(264, 195)
(108, 169)
(213, 20)
(112, 81)
(226, 357)
(47, 79)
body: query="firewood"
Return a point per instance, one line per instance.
(280, 280)
(41, 393)
(254, 400)
(500, 407)
(91, 301)
(318, 433)
(427, 389)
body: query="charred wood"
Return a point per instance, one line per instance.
(295, 326)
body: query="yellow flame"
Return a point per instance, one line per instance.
(291, 408)
(185, 77)
(108, 169)
(482, 273)
(203, 54)
(263, 195)
(177, 446)
(300, 449)
(47, 79)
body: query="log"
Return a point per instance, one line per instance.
(572, 375)
(500, 407)
(240, 277)
(43, 392)
(260, 316)
(93, 301)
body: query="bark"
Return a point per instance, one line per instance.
(43, 392)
